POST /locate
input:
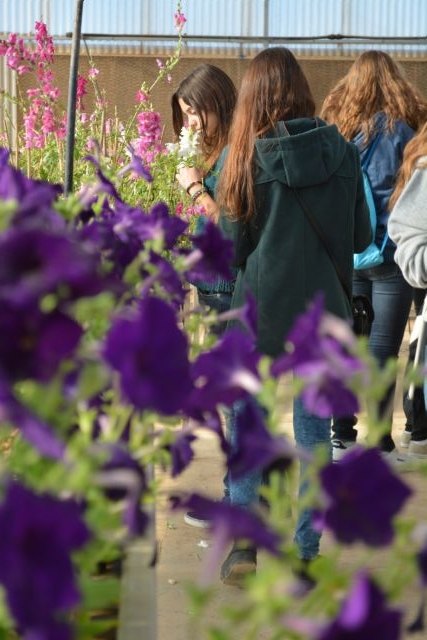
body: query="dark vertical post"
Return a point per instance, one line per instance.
(72, 98)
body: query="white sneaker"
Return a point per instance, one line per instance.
(405, 439)
(417, 450)
(339, 448)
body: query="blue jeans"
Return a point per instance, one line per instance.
(310, 432)
(391, 298)
(219, 301)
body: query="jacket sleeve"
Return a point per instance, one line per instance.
(362, 223)
(407, 226)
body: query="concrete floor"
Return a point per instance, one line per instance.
(182, 548)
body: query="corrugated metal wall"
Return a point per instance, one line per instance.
(228, 19)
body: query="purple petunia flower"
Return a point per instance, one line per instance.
(181, 452)
(256, 447)
(166, 276)
(39, 534)
(32, 428)
(212, 255)
(317, 352)
(34, 198)
(36, 262)
(150, 353)
(158, 224)
(364, 615)
(226, 373)
(34, 344)
(228, 523)
(246, 315)
(123, 479)
(350, 513)
(136, 166)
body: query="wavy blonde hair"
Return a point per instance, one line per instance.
(414, 157)
(373, 83)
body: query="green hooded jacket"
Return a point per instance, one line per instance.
(280, 257)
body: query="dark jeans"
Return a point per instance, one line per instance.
(219, 302)
(391, 298)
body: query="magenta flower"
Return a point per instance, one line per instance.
(150, 353)
(39, 534)
(180, 20)
(364, 614)
(349, 512)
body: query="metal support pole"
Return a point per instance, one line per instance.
(138, 593)
(72, 99)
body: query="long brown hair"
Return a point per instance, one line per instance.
(373, 83)
(273, 88)
(414, 156)
(207, 89)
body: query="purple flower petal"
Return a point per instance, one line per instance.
(39, 533)
(364, 615)
(33, 429)
(150, 352)
(350, 513)
(256, 448)
(226, 373)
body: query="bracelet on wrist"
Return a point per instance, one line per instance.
(191, 185)
(197, 194)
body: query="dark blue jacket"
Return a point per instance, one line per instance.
(382, 170)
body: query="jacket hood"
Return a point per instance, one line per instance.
(310, 155)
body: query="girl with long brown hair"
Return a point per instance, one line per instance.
(279, 154)
(204, 101)
(379, 110)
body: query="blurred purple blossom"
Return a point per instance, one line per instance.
(32, 428)
(34, 344)
(123, 479)
(36, 262)
(34, 198)
(226, 373)
(136, 167)
(317, 352)
(246, 315)
(256, 447)
(364, 614)
(181, 452)
(39, 534)
(212, 255)
(349, 512)
(228, 523)
(150, 352)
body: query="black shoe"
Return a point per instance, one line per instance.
(303, 573)
(240, 563)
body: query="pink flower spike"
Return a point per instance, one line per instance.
(93, 73)
(142, 96)
(180, 20)
(160, 63)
